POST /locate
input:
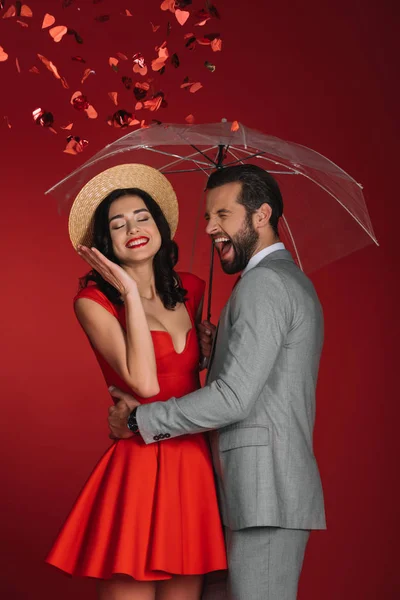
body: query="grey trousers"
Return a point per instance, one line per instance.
(265, 562)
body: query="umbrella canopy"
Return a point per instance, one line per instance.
(325, 215)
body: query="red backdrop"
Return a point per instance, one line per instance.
(320, 74)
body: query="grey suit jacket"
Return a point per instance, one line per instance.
(260, 397)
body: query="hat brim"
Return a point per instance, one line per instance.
(143, 177)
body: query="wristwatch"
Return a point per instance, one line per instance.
(132, 423)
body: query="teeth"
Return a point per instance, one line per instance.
(137, 242)
(221, 239)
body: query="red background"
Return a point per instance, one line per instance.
(320, 74)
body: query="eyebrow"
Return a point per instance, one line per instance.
(135, 212)
(221, 211)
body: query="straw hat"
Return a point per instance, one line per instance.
(145, 178)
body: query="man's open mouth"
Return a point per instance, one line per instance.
(223, 245)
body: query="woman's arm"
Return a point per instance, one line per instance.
(130, 354)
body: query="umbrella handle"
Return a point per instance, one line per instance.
(210, 282)
(204, 360)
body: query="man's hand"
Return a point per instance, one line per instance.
(206, 332)
(118, 414)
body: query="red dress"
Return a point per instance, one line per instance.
(148, 511)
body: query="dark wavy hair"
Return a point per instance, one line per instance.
(168, 284)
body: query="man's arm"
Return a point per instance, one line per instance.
(260, 313)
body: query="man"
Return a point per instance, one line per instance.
(260, 392)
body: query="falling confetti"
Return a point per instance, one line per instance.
(80, 102)
(76, 35)
(114, 97)
(75, 145)
(216, 44)
(57, 33)
(182, 16)
(153, 104)
(122, 118)
(23, 10)
(113, 62)
(190, 41)
(193, 87)
(168, 5)
(127, 81)
(140, 90)
(3, 55)
(175, 61)
(86, 74)
(10, 12)
(169, 55)
(44, 118)
(139, 64)
(53, 69)
(158, 63)
(48, 21)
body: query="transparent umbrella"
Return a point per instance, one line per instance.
(325, 214)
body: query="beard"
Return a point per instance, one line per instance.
(244, 242)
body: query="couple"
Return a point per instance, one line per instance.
(147, 524)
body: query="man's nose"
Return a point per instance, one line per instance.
(211, 227)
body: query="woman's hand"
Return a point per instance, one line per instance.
(206, 334)
(110, 271)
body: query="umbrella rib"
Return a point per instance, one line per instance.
(373, 238)
(185, 170)
(189, 157)
(320, 185)
(196, 231)
(293, 242)
(204, 154)
(241, 160)
(180, 158)
(250, 156)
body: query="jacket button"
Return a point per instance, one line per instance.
(167, 435)
(156, 438)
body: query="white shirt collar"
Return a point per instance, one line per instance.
(262, 254)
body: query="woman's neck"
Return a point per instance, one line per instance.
(143, 274)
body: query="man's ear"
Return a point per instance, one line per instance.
(262, 216)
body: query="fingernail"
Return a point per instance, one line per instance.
(111, 388)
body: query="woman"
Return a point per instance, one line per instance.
(146, 524)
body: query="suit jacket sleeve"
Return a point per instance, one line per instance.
(260, 314)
